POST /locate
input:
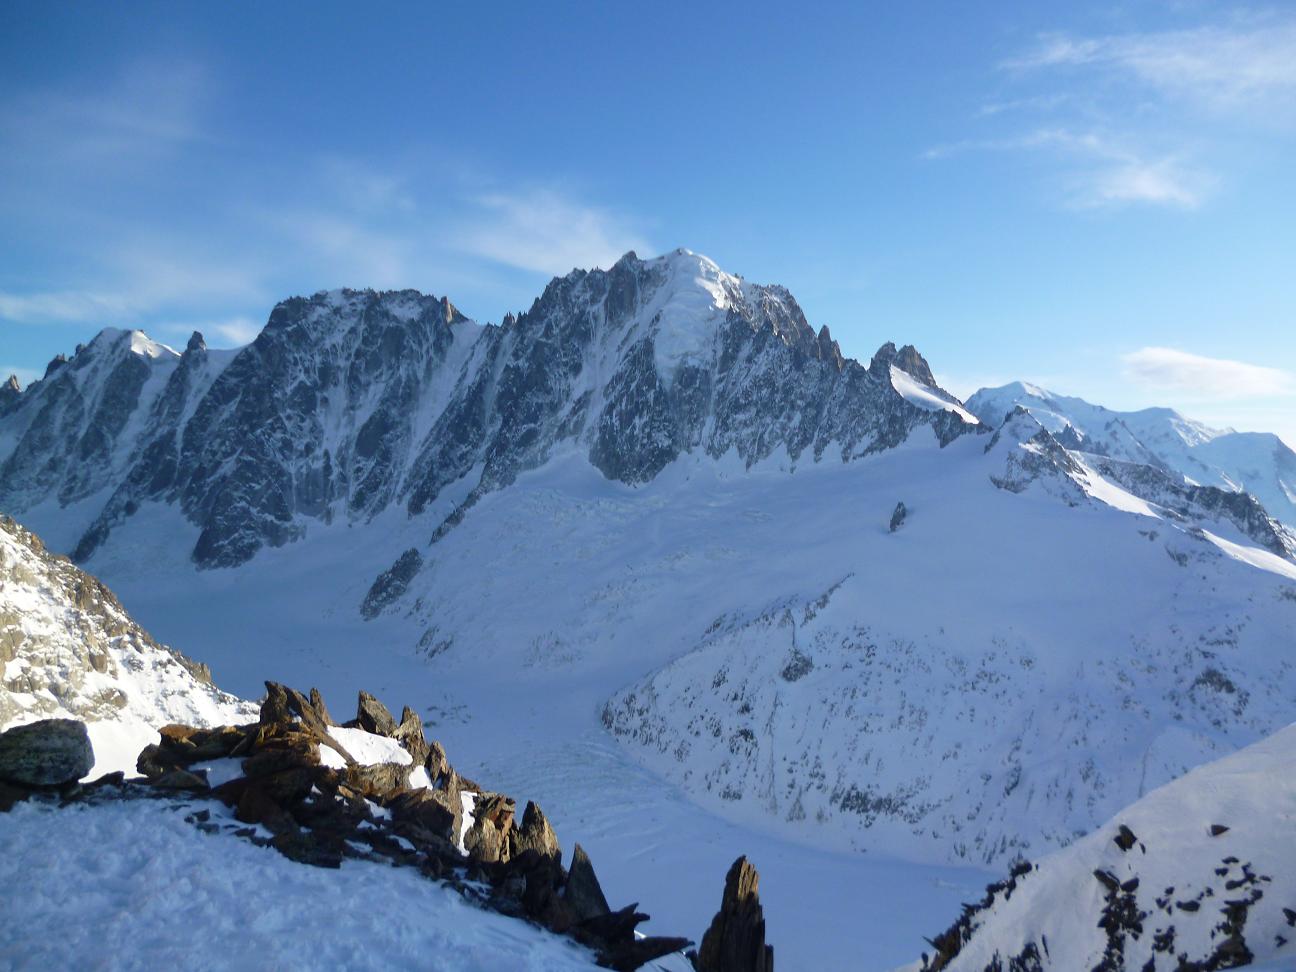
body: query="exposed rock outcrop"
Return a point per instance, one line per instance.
(300, 791)
(735, 942)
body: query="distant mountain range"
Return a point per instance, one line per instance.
(1258, 463)
(823, 596)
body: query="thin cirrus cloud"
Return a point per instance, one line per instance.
(1146, 119)
(544, 232)
(1099, 170)
(1169, 369)
(1214, 66)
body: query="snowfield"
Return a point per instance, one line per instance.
(632, 555)
(1020, 666)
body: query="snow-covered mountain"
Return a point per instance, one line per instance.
(1254, 462)
(69, 650)
(660, 499)
(1199, 873)
(352, 402)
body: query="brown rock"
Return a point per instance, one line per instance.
(317, 703)
(410, 735)
(378, 782)
(534, 834)
(627, 956)
(438, 767)
(735, 942)
(179, 779)
(257, 806)
(373, 716)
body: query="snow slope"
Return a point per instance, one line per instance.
(136, 885)
(1259, 463)
(1138, 647)
(1185, 885)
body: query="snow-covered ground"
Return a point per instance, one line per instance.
(133, 886)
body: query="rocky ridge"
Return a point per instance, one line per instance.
(351, 402)
(291, 784)
(69, 649)
(1189, 453)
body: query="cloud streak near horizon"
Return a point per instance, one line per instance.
(1172, 370)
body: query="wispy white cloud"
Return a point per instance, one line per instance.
(233, 331)
(1219, 66)
(150, 108)
(1154, 118)
(546, 232)
(60, 306)
(1169, 369)
(1101, 170)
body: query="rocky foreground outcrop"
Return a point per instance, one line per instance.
(374, 788)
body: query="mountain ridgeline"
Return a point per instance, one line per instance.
(351, 402)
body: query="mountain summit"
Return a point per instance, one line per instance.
(352, 402)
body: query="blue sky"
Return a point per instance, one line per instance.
(1100, 198)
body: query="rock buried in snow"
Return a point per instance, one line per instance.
(50, 752)
(735, 942)
(898, 517)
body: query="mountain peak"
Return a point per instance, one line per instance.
(907, 359)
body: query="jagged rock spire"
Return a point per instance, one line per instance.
(735, 942)
(907, 359)
(10, 392)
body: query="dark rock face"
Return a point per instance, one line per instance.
(1188, 501)
(735, 942)
(391, 583)
(350, 402)
(51, 752)
(584, 894)
(898, 517)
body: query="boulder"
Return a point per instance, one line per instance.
(373, 716)
(50, 752)
(735, 942)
